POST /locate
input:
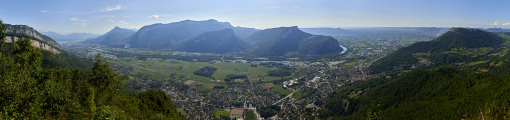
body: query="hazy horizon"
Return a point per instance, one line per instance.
(98, 17)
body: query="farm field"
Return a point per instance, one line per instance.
(182, 71)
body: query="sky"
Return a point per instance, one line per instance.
(100, 16)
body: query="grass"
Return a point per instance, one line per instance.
(280, 89)
(298, 94)
(249, 115)
(220, 112)
(181, 111)
(268, 85)
(477, 62)
(175, 70)
(159, 69)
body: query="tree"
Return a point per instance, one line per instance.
(2, 36)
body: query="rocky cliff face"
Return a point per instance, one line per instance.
(35, 43)
(17, 32)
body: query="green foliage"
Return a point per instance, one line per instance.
(280, 89)
(268, 111)
(249, 115)
(424, 94)
(231, 77)
(155, 101)
(280, 72)
(29, 91)
(64, 59)
(207, 71)
(2, 36)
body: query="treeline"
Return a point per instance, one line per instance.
(268, 111)
(30, 91)
(231, 77)
(281, 72)
(206, 71)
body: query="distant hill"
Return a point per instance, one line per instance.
(431, 52)
(318, 45)
(374, 31)
(243, 32)
(283, 40)
(212, 36)
(165, 36)
(114, 37)
(324, 31)
(69, 37)
(221, 41)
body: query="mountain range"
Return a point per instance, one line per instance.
(114, 37)
(212, 36)
(69, 37)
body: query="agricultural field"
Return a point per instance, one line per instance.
(183, 71)
(218, 112)
(249, 115)
(280, 89)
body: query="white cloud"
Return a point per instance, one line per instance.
(44, 11)
(77, 19)
(495, 23)
(107, 9)
(154, 16)
(160, 16)
(111, 20)
(505, 24)
(123, 22)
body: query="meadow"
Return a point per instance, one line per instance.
(182, 71)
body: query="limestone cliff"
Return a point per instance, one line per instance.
(17, 32)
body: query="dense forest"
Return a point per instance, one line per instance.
(206, 71)
(30, 91)
(424, 94)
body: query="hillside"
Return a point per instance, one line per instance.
(113, 38)
(165, 36)
(467, 78)
(221, 41)
(318, 45)
(443, 93)
(35, 92)
(283, 40)
(440, 51)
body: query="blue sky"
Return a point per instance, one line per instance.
(100, 16)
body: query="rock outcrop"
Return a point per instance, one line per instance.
(18, 32)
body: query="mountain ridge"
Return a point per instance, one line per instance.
(114, 37)
(418, 53)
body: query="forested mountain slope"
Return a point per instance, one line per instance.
(467, 78)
